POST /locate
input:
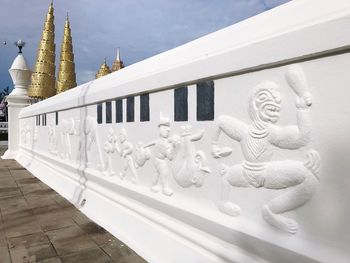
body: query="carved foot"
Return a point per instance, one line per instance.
(230, 209)
(122, 175)
(155, 188)
(168, 191)
(281, 222)
(134, 180)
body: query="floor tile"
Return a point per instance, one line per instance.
(95, 255)
(36, 239)
(32, 254)
(5, 255)
(70, 240)
(98, 234)
(36, 223)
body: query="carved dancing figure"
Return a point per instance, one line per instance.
(66, 130)
(109, 149)
(257, 141)
(163, 152)
(52, 139)
(125, 150)
(189, 166)
(88, 130)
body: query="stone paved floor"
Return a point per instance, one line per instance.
(38, 225)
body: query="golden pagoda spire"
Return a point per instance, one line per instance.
(118, 63)
(66, 72)
(103, 71)
(43, 77)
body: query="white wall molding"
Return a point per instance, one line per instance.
(259, 173)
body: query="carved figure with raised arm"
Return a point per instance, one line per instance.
(125, 150)
(109, 149)
(52, 138)
(258, 141)
(67, 129)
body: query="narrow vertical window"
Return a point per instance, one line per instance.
(38, 120)
(119, 110)
(144, 107)
(180, 104)
(205, 101)
(56, 117)
(99, 113)
(108, 112)
(130, 108)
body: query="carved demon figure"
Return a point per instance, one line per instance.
(258, 141)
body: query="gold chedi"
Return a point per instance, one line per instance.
(66, 78)
(43, 78)
(103, 71)
(118, 63)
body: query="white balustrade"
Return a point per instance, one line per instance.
(231, 148)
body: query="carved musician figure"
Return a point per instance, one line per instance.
(258, 140)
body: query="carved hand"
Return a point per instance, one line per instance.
(304, 101)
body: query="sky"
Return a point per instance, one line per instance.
(141, 28)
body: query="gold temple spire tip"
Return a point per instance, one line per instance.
(66, 77)
(118, 63)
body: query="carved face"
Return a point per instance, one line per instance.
(164, 131)
(265, 104)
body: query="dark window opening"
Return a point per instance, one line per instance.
(119, 110)
(144, 107)
(181, 104)
(56, 117)
(130, 109)
(108, 112)
(99, 113)
(205, 101)
(38, 120)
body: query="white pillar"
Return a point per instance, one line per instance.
(17, 100)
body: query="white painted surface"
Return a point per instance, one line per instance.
(182, 222)
(16, 101)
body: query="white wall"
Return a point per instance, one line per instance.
(188, 225)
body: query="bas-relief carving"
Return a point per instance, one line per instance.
(66, 130)
(163, 152)
(174, 156)
(26, 134)
(257, 141)
(189, 166)
(125, 150)
(87, 137)
(109, 149)
(52, 138)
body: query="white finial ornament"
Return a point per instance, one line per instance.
(20, 73)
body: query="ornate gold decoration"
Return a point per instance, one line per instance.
(103, 71)
(43, 77)
(118, 63)
(66, 72)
